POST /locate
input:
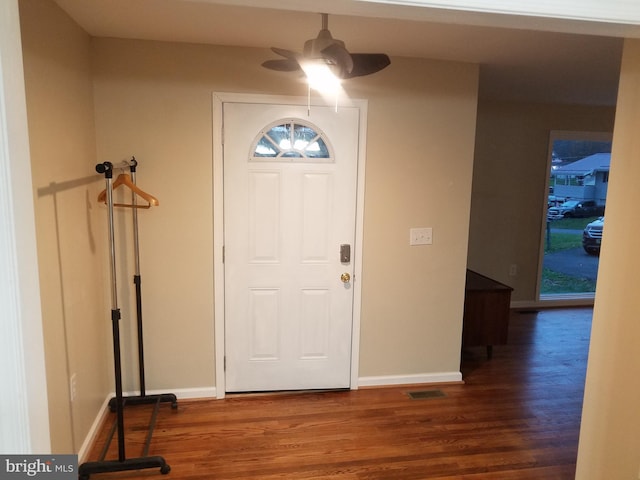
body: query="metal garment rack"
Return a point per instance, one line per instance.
(118, 403)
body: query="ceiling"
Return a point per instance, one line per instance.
(521, 58)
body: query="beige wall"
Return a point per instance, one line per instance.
(153, 100)
(419, 166)
(69, 230)
(509, 176)
(609, 440)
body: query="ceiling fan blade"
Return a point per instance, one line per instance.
(368, 63)
(290, 62)
(285, 53)
(337, 55)
(282, 65)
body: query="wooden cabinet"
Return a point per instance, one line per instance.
(486, 312)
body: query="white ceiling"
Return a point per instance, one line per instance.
(522, 58)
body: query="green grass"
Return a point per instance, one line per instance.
(562, 241)
(557, 283)
(572, 223)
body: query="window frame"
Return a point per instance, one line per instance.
(291, 154)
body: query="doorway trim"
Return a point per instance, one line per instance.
(219, 99)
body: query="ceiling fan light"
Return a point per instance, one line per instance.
(320, 77)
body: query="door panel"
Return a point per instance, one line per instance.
(288, 315)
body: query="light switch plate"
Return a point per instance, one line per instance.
(421, 236)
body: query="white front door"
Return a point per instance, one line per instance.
(289, 213)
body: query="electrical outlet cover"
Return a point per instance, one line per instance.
(421, 236)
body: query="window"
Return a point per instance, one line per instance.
(573, 180)
(291, 140)
(572, 231)
(561, 180)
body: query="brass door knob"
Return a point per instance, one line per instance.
(345, 277)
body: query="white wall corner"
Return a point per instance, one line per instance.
(25, 411)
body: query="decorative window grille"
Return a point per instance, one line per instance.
(291, 140)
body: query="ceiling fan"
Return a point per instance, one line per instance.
(332, 52)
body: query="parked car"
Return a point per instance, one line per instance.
(592, 236)
(553, 201)
(575, 208)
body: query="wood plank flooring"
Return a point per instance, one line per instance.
(517, 417)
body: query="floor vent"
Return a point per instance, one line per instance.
(423, 394)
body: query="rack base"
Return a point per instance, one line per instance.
(145, 399)
(123, 463)
(88, 468)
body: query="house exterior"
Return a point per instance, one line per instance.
(584, 179)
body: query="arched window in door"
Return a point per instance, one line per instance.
(291, 140)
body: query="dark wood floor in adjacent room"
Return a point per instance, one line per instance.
(517, 417)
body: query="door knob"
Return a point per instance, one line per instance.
(345, 277)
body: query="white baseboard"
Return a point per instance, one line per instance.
(93, 431)
(181, 394)
(554, 301)
(185, 393)
(442, 377)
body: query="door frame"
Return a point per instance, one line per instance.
(219, 99)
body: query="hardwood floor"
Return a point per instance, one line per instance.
(516, 417)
